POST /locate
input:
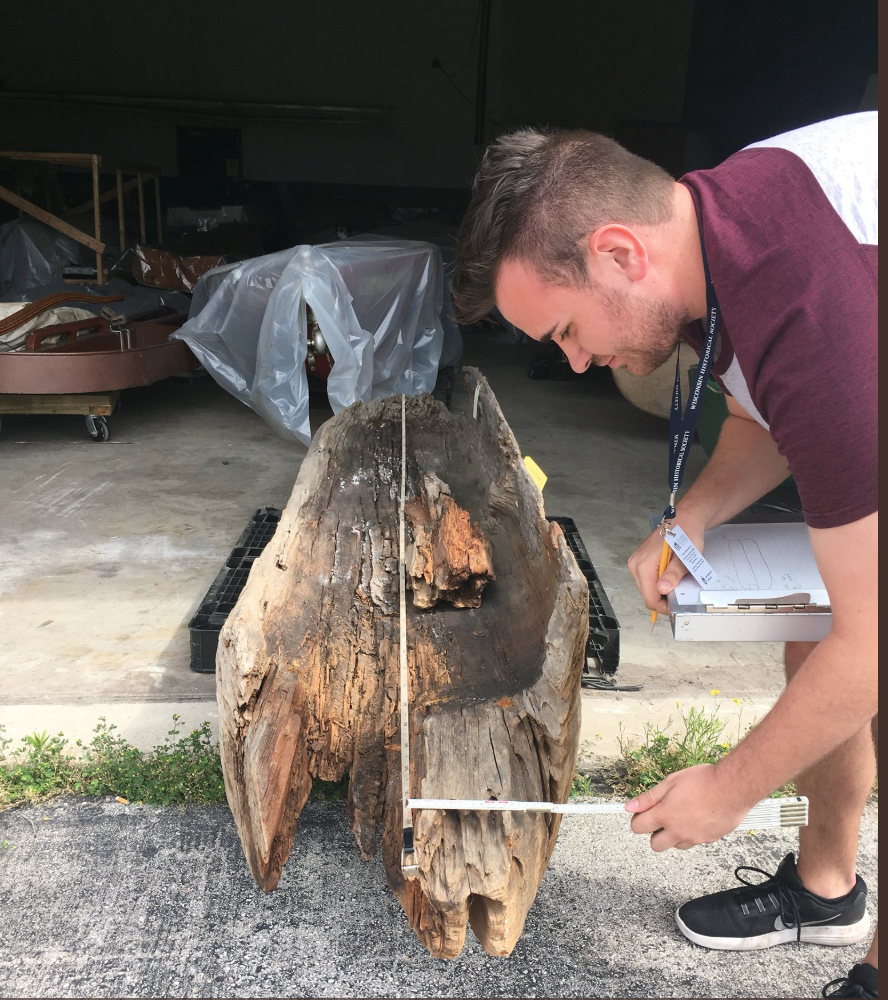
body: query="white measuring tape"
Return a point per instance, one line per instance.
(768, 814)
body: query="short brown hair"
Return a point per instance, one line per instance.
(536, 195)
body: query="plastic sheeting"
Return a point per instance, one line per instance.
(378, 303)
(33, 254)
(136, 298)
(451, 352)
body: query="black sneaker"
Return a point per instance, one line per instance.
(780, 909)
(861, 981)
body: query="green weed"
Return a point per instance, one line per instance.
(661, 752)
(581, 786)
(701, 740)
(37, 770)
(330, 791)
(185, 768)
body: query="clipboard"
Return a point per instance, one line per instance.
(767, 588)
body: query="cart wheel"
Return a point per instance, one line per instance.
(98, 428)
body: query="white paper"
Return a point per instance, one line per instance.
(756, 560)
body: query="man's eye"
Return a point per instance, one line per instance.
(563, 335)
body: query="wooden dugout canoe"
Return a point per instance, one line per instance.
(308, 667)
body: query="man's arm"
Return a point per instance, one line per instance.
(744, 466)
(833, 695)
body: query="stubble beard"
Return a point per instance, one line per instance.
(653, 330)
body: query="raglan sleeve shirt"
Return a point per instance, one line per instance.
(792, 244)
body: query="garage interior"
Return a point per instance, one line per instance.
(305, 124)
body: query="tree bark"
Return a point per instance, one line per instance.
(308, 666)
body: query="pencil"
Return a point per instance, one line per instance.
(664, 559)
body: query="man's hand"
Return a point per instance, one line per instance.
(644, 564)
(689, 807)
(743, 467)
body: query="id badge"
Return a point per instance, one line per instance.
(690, 555)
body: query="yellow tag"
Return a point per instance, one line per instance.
(536, 473)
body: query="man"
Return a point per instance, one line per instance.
(576, 240)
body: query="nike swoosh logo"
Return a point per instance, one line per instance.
(779, 925)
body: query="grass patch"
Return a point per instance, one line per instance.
(700, 739)
(582, 786)
(185, 768)
(329, 791)
(661, 752)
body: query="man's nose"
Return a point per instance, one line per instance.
(576, 356)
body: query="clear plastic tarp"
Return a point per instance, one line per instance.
(33, 254)
(378, 303)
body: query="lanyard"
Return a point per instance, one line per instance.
(681, 428)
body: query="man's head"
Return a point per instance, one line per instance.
(558, 236)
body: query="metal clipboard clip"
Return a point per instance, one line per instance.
(799, 603)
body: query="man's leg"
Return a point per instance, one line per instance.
(872, 956)
(863, 979)
(821, 899)
(837, 788)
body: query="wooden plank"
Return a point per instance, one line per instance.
(74, 159)
(97, 404)
(142, 208)
(109, 195)
(157, 209)
(105, 406)
(97, 218)
(120, 220)
(106, 163)
(51, 220)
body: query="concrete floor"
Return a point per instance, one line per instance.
(99, 899)
(109, 548)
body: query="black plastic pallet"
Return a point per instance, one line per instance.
(222, 596)
(603, 644)
(443, 390)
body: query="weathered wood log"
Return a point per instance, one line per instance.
(308, 668)
(450, 559)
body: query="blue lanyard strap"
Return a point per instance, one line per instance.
(681, 428)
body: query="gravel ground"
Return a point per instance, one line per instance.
(99, 899)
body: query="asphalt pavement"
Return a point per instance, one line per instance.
(99, 899)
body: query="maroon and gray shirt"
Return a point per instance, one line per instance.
(790, 227)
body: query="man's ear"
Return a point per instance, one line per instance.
(616, 252)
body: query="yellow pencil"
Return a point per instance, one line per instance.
(664, 559)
